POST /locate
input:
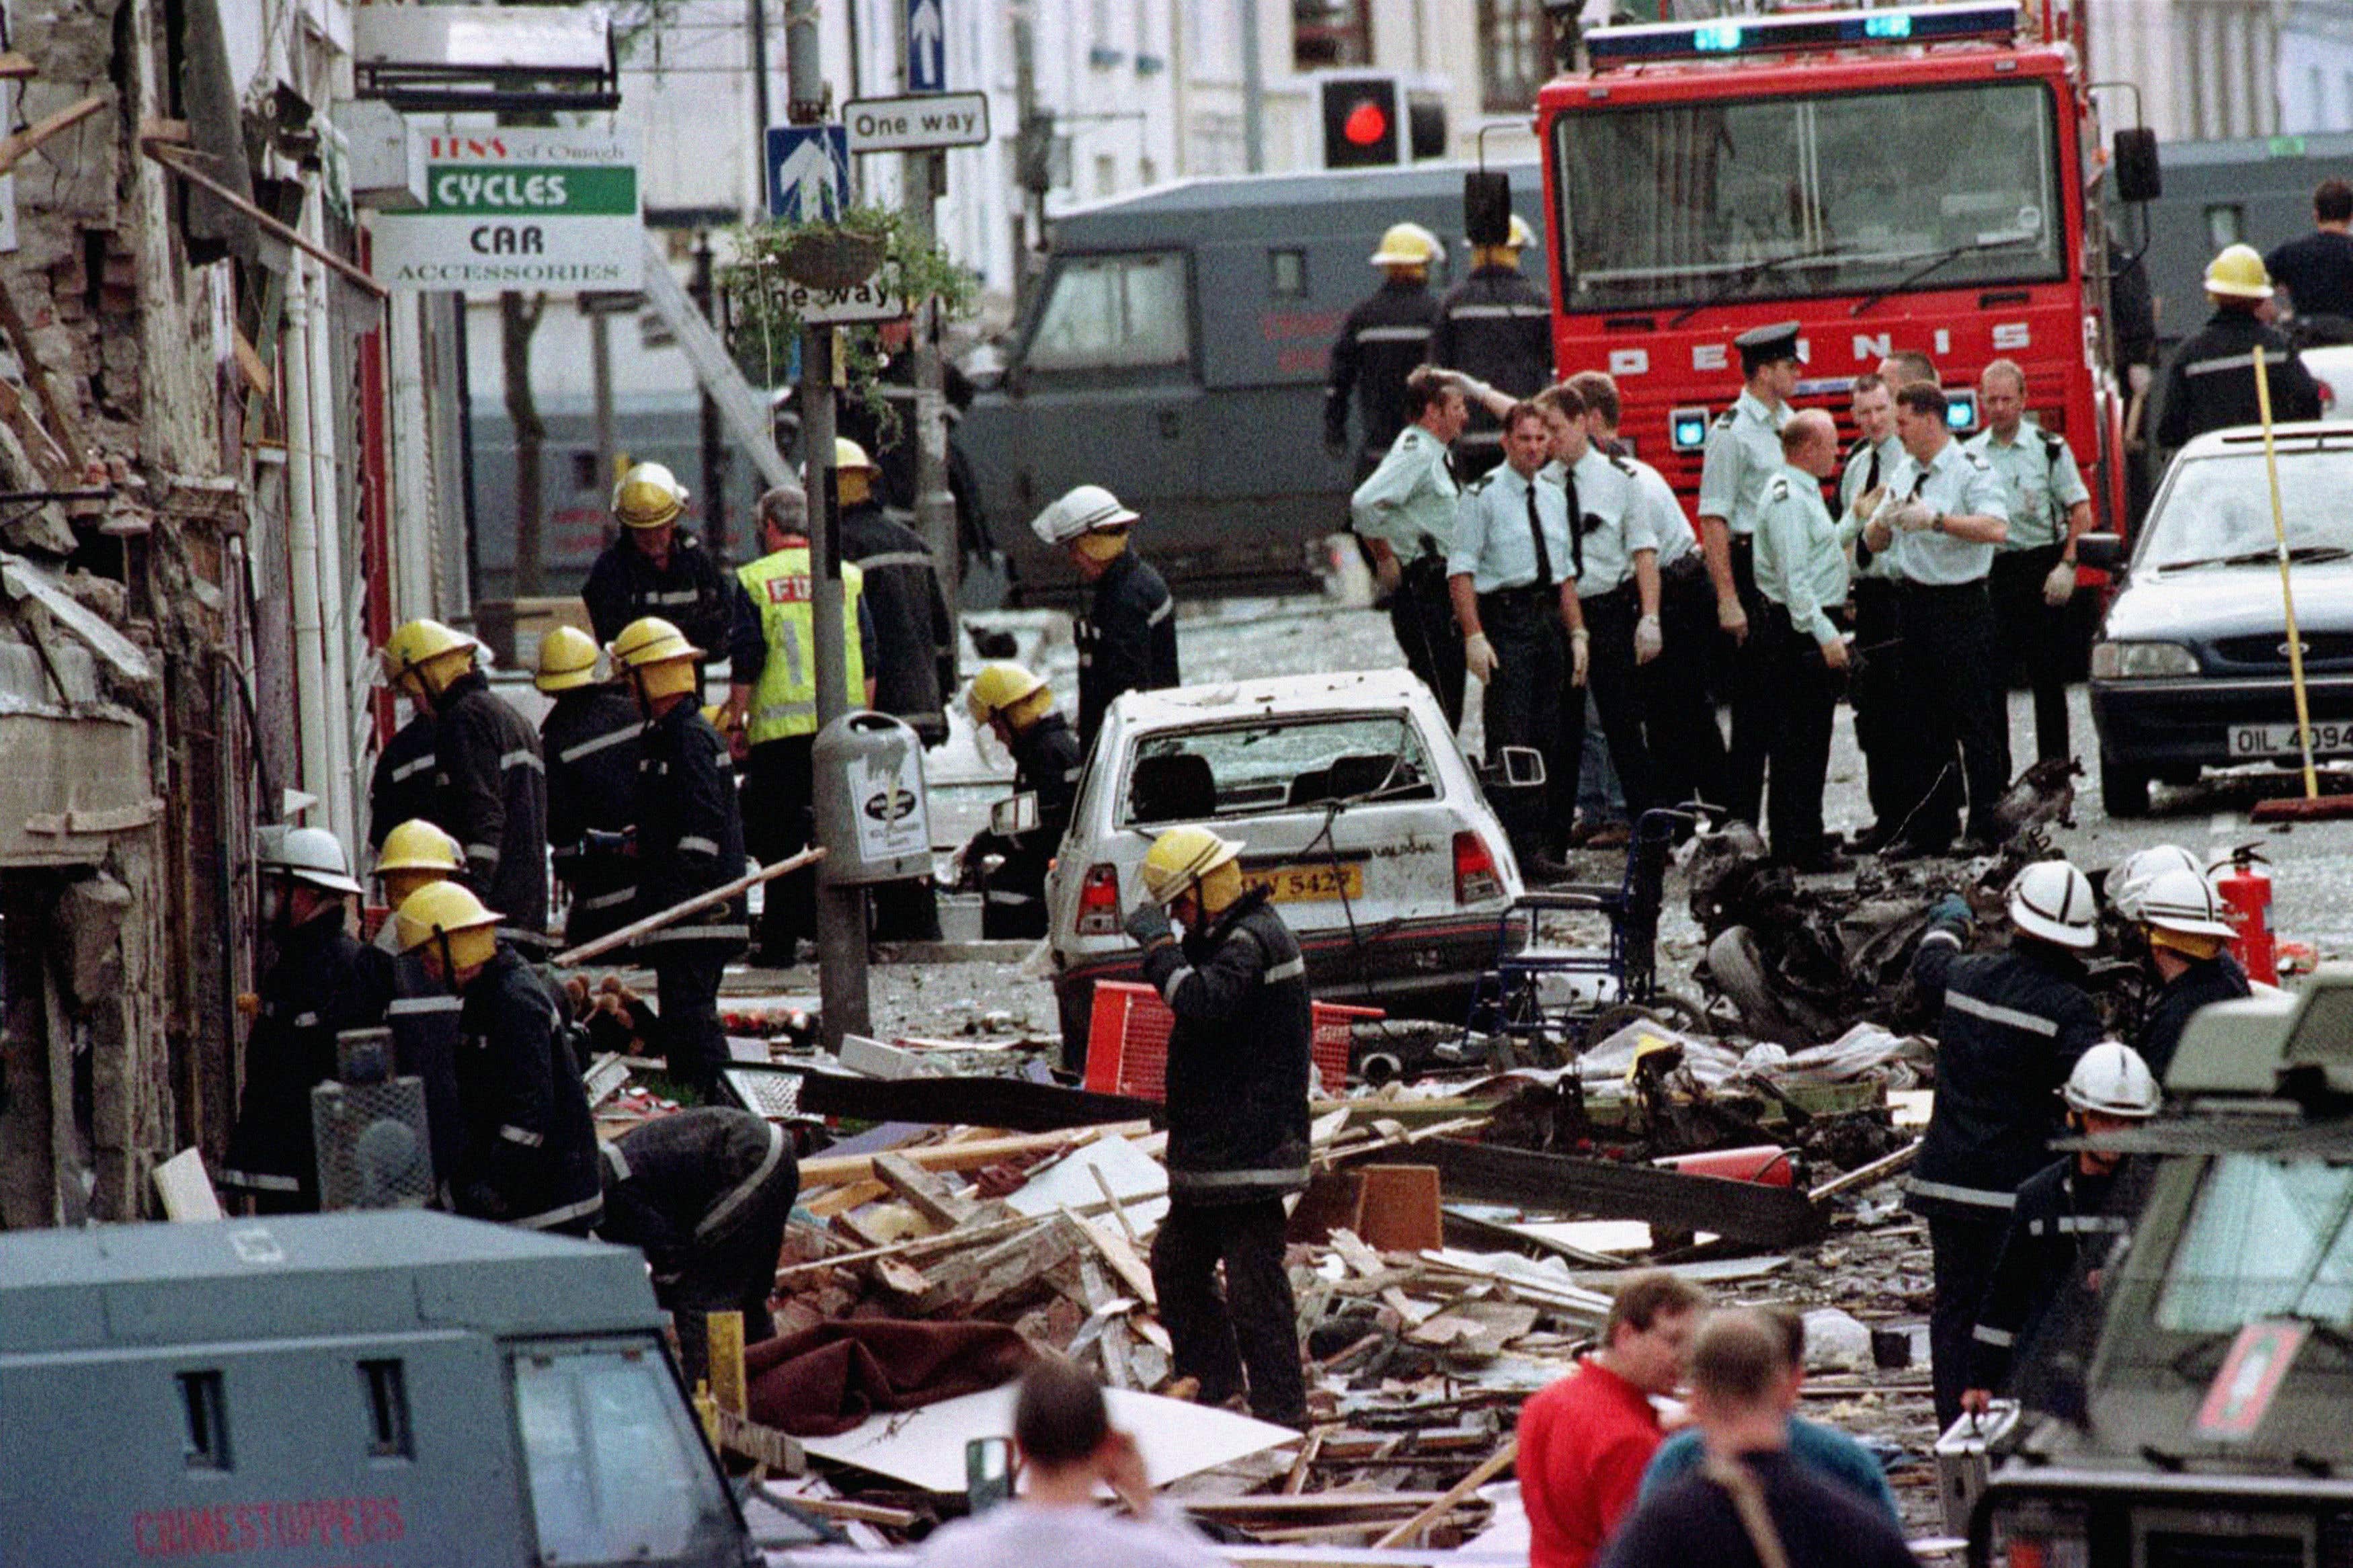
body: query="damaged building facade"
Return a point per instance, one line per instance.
(199, 478)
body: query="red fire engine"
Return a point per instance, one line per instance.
(1921, 177)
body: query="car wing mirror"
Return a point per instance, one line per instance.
(2102, 552)
(1014, 816)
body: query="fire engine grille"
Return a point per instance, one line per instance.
(2174, 1549)
(372, 1149)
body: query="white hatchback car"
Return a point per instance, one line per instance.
(1352, 803)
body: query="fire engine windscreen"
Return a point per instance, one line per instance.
(1799, 197)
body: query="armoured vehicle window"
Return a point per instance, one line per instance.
(616, 1473)
(1303, 761)
(1114, 311)
(2269, 1239)
(1288, 274)
(205, 1405)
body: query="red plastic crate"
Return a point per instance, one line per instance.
(1127, 1041)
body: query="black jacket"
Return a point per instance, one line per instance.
(2063, 1227)
(693, 592)
(2211, 383)
(1497, 326)
(1238, 1057)
(1384, 337)
(1821, 1524)
(915, 662)
(405, 783)
(423, 1018)
(1047, 762)
(2215, 979)
(324, 981)
(591, 737)
(690, 831)
(530, 1156)
(686, 1183)
(493, 802)
(2013, 1024)
(1127, 640)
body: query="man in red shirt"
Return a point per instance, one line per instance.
(1585, 1441)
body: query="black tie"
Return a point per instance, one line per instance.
(1871, 475)
(1536, 532)
(1576, 522)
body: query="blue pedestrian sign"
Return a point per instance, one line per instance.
(808, 173)
(927, 46)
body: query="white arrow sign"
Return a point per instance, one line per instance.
(928, 68)
(808, 174)
(918, 123)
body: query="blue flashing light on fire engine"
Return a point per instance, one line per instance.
(1717, 37)
(1803, 30)
(1687, 429)
(1894, 24)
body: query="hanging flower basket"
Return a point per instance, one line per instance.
(821, 257)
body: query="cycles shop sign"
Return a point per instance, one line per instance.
(513, 208)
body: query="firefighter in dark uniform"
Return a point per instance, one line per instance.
(2012, 1025)
(1404, 513)
(402, 788)
(590, 740)
(1384, 337)
(1743, 454)
(2065, 1225)
(704, 1195)
(2209, 384)
(1496, 327)
(2187, 945)
(1019, 708)
(491, 793)
(423, 1015)
(656, 568)
(690, 839)
(1237, 1072)
(529, 1154)
(323, 981)
(1127, 638)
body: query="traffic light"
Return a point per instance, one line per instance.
(1360, 123)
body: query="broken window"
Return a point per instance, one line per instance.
(1312, 760)
(617, 1473)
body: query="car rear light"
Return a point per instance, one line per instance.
(1475, 877)
(1099, 901)
(2328, 398)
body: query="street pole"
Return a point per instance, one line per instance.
(922, 177)
(600, 371)
(758, 22)
(714, 447)
(1032, 153)
(1253, 90)
(840, 908)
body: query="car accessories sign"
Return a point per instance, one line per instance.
(516, 208)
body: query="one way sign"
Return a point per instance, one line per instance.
(808, 173)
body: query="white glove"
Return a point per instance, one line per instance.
(1473, 387)
(1479, 656)
(1648, 641)
(1732, 618)
(2060, 586)
(2140, 378)
(1580, 654)
(1911, 516)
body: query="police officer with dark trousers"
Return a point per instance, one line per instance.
(2209, 384)
(1945, 513)
(589, 739)
(1239, 1065)
(657, 568)
(1496, 327)
(1801, 577)
(1127, 638)
(1743, 453)
(2010, 1028)
(689, 840)
(1679, 726)
(491, 785)
(1019, 708)
(2066, 1226)
(323, 981)
(1512, 574)
(1874, 686)
(1384, 337)
(1617, 555)
(529, 1154)
(704, 1193)
(2034, 575)
(1404, 513)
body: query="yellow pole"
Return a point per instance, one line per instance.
(2287, 592)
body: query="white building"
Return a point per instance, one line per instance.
(2315, 66)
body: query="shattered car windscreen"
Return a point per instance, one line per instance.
(1307, 761)
(2222, 507)
(2268, 1239)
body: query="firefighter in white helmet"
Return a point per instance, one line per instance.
(1380, 343)
(2068, 1218)
(657, 568)
(2187, 943)
(1127, 638)
(2010, 1028)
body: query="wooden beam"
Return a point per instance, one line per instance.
(1879, 1170)
(680, 910)
(1488, 1468)
(15, 148)
(169, 155)
(828, 1171)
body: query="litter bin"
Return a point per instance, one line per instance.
(870, 812)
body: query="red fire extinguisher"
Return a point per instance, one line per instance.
(2245, 890)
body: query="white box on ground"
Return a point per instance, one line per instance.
(875, 1060)
(917, 123)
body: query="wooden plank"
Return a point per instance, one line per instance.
(922, 1191)
(684, 907)
(1767, 1216)
(15, 150)
(769, 1447)
(1488, 1470)
(1879, 1170)
(1120, 1258)
(897, 1249)
(857, 1194)
(825, 1171)
(725, 1331)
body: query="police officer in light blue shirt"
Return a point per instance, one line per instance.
(1801, 576)
(1404, 511)
(1874, 686)
(1945, 514)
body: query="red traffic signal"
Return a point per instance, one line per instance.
(1360, 122)
(1368, 124)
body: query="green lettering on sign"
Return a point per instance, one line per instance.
(2286, 147)
(532, 190)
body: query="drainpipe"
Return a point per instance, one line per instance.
(303, 544)
(335, 594)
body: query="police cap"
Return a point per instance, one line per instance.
(1765, 345)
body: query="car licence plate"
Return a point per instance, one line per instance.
(1301, 884)
(2280, 740)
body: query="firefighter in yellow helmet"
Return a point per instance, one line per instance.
(528, 1156)
(415, 854)
(489, 782)
(689, 840)
(407, 769)
(590, 738)
(2209, 384)
(1383, 338)
(424, 1013)
(1019, 708)
(1237, 1074)
(656, 567)
(1495, 327)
